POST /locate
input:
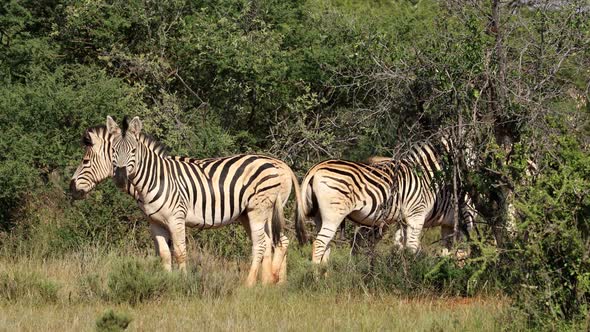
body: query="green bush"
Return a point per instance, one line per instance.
(230, 242)
(112, 321)
(54, 227)
(390, 271)
(213, 276)
(343, 273)
(134, 281)
(91, 287)
(548, 270)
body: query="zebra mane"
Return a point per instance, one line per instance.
(154, 145)
(377, 159)
(440, 142)
(125, 125)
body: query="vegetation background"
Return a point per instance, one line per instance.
(301, 80)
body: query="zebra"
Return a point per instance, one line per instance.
(410, 190)
(97, 164)
(445, 221)
(207, 193)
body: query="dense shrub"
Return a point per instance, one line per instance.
(134, 281)
(551, 265)
(389, 271)
(112, 321)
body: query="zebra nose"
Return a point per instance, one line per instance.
(121, 177)
(76, 194)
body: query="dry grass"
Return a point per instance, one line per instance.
(218, 302)
(266, 310)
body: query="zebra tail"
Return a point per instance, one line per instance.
(300, 211)
(278, 221)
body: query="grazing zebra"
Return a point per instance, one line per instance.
(410, 190)
(445, 221)
(209, 193)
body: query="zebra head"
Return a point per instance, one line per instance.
(97, 163)
(125, 147)
(469, 213)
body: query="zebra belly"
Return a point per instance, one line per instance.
(437, 217)
(192, 219)
(364, 218)
(195, 219)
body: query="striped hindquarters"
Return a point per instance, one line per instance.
(354, 187)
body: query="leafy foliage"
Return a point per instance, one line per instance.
(306, 80)
(551, 250)
(133, 281)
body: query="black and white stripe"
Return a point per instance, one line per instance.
(411, 190)
(177, 191)
(96, 164)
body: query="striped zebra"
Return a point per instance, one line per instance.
(175, 192)
(445, 221)
(97, 163)
(410, 190)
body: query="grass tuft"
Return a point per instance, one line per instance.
(134, 281)
(111, 321)
(31, 287)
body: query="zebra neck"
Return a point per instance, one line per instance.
(149, 166)
(425, 156)
(132, 191)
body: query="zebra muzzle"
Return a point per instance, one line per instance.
(74, 192)
(120, 177)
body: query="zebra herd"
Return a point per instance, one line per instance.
(175, 192)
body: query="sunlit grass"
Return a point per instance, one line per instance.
(269, 310)
(211, 297)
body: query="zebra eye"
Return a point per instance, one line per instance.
(86, 141)
(133, 150)
(86, 162)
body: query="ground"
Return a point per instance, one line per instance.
(269, 310)
(70, 293)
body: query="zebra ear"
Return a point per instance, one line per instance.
(135, 126)
(112, 127)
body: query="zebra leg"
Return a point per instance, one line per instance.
(446, 237)
(178, 235)
(399, 237)
(253, 273)
(261, 246)
(267, 276)
(279, 260)
(330, 222)
(326, 256)
(161, 235)
(413, 231)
